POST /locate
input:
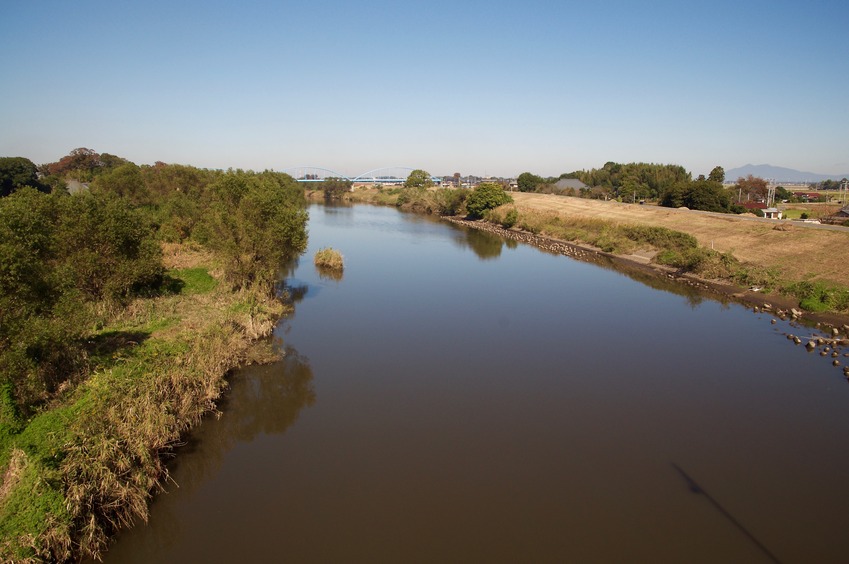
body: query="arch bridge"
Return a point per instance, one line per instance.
(385, 175)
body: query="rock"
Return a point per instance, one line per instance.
(835, 331)
(767, 306)
(835, 363)
(795, 312)
(797, 340)
(811, 345)
(773, 321)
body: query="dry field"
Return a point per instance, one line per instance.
(798, 250)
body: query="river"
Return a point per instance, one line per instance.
(458, 398)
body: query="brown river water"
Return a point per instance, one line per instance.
(458, 398)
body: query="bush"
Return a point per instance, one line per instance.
(819, 296)
(329, 258)
(485, 197)
(257, 222)
(106, 249)
(660, 237)
(451, 201)
(510, 218)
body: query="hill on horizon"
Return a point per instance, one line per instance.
(779, 174)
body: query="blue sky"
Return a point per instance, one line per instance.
(493, 88)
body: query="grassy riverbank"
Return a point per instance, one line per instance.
(76, 472)
(798, 263)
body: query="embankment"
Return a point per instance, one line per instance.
(89, 464)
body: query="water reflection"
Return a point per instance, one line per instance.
(485, 245)
(325, 273)
(262, 400)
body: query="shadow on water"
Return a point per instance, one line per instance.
(291, 289)
(262, 400)
(697, 489)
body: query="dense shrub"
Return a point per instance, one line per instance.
(256, 222)
(59, 255)
(105, 248)
(510, 218)
(660, 237)
(486, 196)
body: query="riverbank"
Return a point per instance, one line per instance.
(797, 249)
(89, 462)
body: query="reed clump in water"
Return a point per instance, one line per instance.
(329, 259)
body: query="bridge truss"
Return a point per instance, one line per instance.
(385, 175)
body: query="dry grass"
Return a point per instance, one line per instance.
(329, 258)
(12, 475)
(117, 425)
(802, 252)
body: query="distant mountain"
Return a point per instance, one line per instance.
(779, 174)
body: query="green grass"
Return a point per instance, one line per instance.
(194, 280)
(89, 459)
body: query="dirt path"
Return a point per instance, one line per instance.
(797, 249)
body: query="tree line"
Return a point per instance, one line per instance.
(669, 185)
(67, 260)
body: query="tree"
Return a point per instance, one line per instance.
(80, 163)
(707, 196)
(419, 179)
(105, 248)
(16, 172)
(528, 182)
(717, 174)
(335, 187)
(486, 196)
(752, 187)
(125, 181)
(257, 222)
(699, 194)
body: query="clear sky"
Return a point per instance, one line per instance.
(496, 87)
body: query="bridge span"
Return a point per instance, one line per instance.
(385, 175)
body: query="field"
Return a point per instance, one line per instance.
(799, 251)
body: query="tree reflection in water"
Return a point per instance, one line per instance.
(262, 400)
(485, 245)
